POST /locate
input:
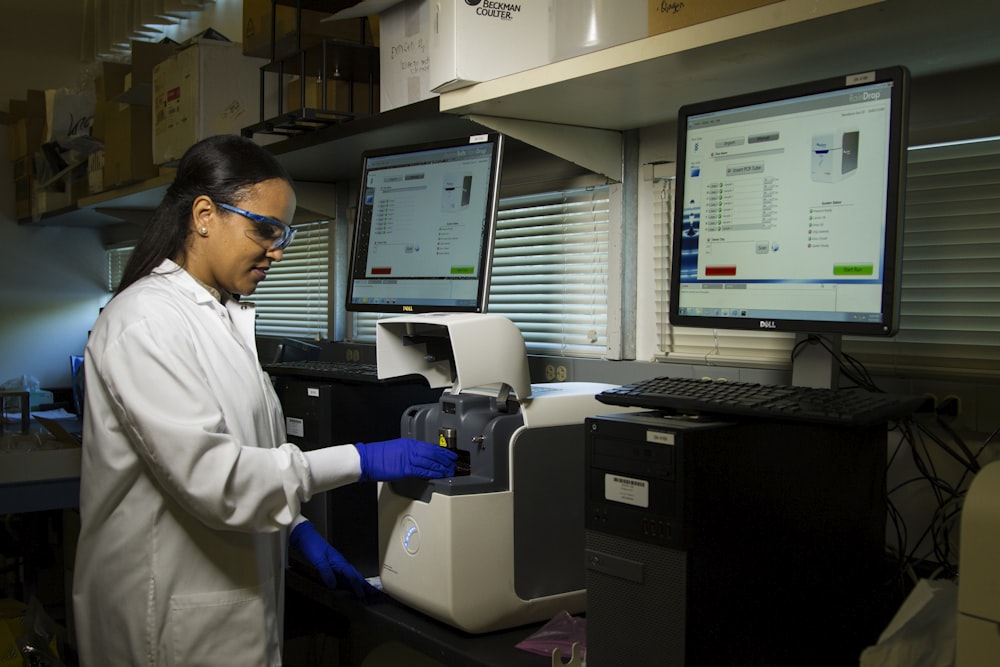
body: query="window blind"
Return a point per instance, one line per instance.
(950, 309)
(550, 269)
(950, 312)
(117, 259)
(695, 344)
(294, 300)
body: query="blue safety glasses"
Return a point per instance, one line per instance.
(269, 229)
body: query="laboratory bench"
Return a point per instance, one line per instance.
(35, 475)
(360, 627)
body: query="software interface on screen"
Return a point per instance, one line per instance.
(424, 220)
(784, 208)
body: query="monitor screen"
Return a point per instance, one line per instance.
(426, 220)
(788, 208)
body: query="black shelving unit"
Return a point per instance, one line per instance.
(352, 65)
(329, 63)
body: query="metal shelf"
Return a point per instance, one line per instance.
(338, 67)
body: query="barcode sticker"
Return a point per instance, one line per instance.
(628, 490)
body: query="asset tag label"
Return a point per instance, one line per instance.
(660, 437)
(312, 392)
(293, 426)
(628, 490)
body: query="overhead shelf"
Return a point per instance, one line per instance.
(578, 108)
(328, 154)
(643, 83)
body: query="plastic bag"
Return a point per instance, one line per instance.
(922, 633)
(559, 633)
(21, 383)
(29, 636)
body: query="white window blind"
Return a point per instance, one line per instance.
(294, 301)
(117, 259)
(694, 344)
(950, 313)
(550, 270)
(950, 310)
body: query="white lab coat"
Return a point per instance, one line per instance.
(187, 485)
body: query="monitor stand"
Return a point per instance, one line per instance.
(813, 364)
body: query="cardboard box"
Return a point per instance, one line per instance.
(60, 194)
(257, 29)
(404, 54)
(581, 27)
(114, 79)
(23, 187)
(208, 87)
(137, 88)
(666, 16)
(483, 41)
(125, 129)
(128, 144)
(95, 172)
(26, 132)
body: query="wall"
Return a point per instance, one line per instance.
(52, 278)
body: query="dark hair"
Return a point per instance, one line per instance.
(222, 167)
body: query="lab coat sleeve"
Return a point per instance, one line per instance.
(331, 467)
(166, 404)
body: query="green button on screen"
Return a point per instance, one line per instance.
(463, 270)
(853, 269)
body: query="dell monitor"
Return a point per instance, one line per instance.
(426, 221)
(788, 208)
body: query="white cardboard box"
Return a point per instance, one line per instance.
(404, 54)
(479, 41)
(208, 87)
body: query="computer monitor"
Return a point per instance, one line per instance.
(788, 208)
(426, 221)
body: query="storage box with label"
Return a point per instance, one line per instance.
(473, 42)
(404, 54)
(665, 16)
(208, 87)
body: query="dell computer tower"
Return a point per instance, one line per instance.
(726, 543)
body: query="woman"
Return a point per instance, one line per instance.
(188, 486)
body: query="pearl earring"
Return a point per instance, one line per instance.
(203, 231)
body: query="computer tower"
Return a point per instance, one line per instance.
(728, 543)
(322, 411)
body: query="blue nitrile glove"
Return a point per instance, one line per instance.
(404, 457)
(332, 566)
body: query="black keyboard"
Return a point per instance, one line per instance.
(844, 407)
(329, 370)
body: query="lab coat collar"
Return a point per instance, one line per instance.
(176, 274)
(241, 313)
